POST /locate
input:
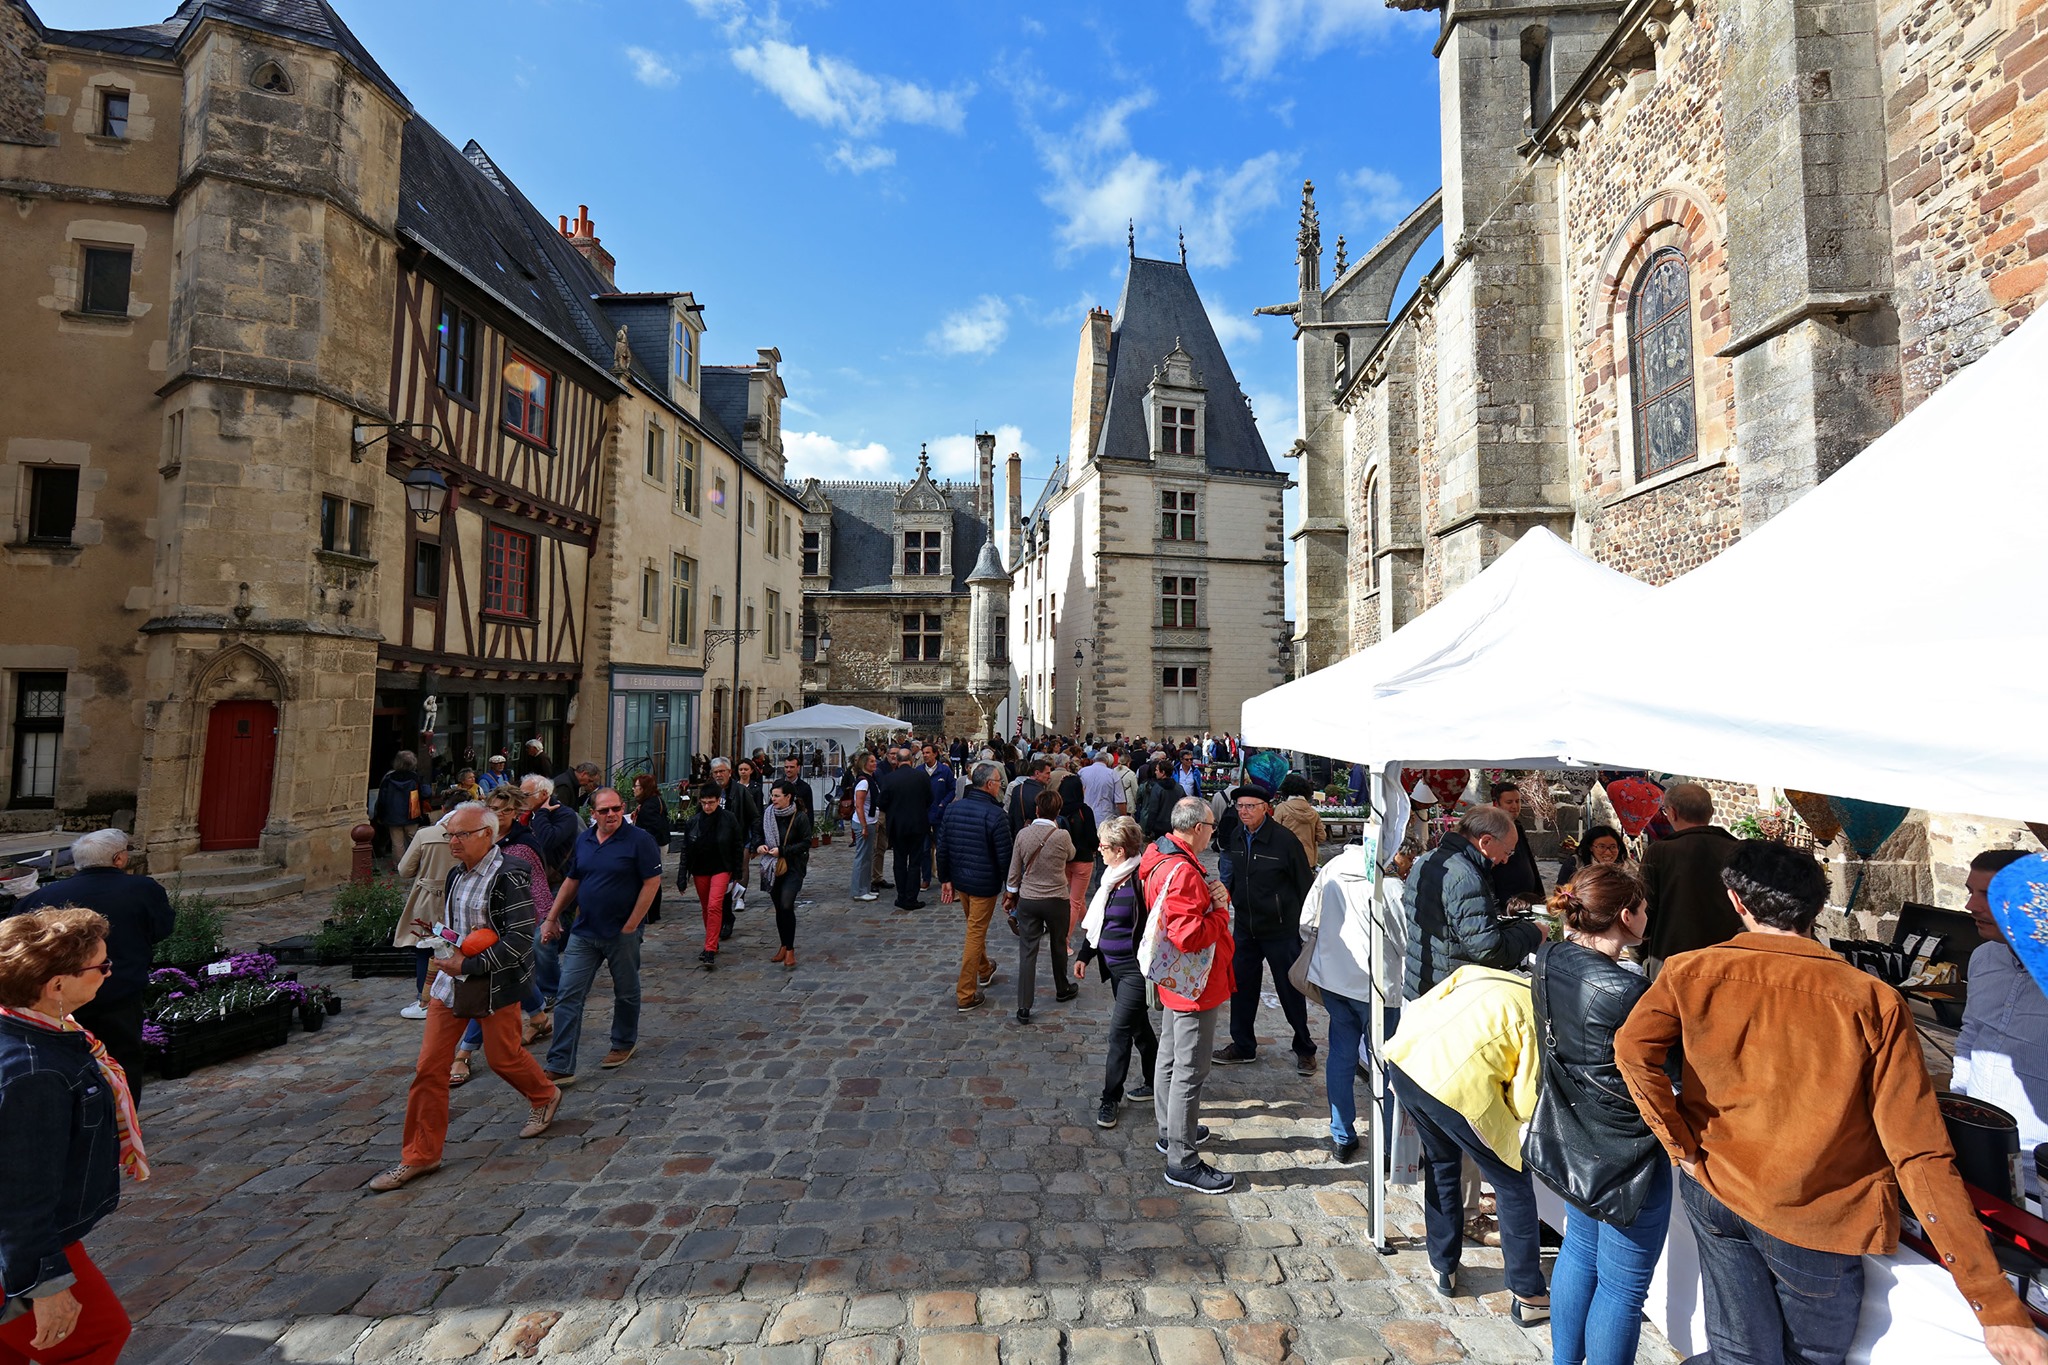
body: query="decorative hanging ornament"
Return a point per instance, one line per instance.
(2019, 902)
(1444, 785)
(1863, 825)
(1635, 800)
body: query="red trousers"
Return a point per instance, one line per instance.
(711, 892)
(102, 1328)
(426, 1103)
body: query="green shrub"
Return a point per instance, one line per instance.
(195, 935)
(365, 916)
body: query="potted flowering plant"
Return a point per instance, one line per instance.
(230, 1007)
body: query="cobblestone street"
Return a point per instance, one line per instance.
(826, 1165)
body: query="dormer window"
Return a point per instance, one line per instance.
(1176, 429)
(921, 550)
(682, 358)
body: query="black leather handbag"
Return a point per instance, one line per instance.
(1578, 1142)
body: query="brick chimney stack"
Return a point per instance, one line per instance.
(582, 235)
(1016, 510)
(1091, 388)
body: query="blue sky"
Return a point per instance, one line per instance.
(918, 201)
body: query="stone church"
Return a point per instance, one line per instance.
(1698, 254)
(1148, 593)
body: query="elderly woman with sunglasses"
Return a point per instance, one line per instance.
(68, 1129)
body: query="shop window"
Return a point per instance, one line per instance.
(38, 736)
(1660, 364)
(529, 396)
(104, 277)
(508, 572)
(52, 504)
(455, 333)
(923, 636)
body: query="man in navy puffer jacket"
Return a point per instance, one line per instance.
(973, 857)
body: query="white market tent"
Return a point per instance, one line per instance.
(1885, 637)
(845, 726)
(1463, 684)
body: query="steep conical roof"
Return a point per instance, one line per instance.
(989, 568)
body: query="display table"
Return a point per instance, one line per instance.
(1913, 1314)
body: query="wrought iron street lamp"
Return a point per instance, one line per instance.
(426, 492)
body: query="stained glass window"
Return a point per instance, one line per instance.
(1660, 364)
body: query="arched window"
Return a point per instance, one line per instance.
(270, 76)
(1343, 371)
(1372, 533)
(1660, 364)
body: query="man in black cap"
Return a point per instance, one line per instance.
(1269, 875)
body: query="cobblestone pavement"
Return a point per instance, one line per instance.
(828, 1166)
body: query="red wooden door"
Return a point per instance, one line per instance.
(234, 792)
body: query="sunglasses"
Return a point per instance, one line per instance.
(607, 810)
(105, 968)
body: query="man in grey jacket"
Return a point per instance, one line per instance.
(1453, 916)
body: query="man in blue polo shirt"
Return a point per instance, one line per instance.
(614, 875)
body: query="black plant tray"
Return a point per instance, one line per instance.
(191, 1045)
(367, 962)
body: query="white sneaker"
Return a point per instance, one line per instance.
(413, 1011)
(869, 896)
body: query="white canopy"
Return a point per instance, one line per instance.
(1884, 637)
(1468, 682)
(845, 726)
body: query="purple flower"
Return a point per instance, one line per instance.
(154, 1035)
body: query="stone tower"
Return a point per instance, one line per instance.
(988, 663)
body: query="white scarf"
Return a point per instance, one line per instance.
(1112, 877)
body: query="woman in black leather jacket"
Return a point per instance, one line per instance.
(1587, 1137)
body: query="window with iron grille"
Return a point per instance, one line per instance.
(921, 552)
(1176, 515)
(1660, 364)
(38, 737)
(508, 572)
(1176, 430)
(1177, 602)
(923, 634)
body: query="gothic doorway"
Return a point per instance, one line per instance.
(241, 756)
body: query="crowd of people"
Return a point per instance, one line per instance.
(1642, 1036)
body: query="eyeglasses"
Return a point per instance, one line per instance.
(607, 810)
(104, 968)
(1206, 824)
(465, 833)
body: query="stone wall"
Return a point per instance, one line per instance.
(865, 665)
(22, 68)
(1965, 102)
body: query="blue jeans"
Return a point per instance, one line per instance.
(581, 958)
(547, 968)
(473, 1036)
(1601, 1278)
(1447, 1139)
(1769, 1302)
(1340, 1063)
(863, 859)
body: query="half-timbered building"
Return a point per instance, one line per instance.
(501, 383)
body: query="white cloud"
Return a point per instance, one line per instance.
(1256, 35)
(863, 158)
(730, 15)
(1371, 198)
(811, 454)
(1279, 419)
(974, 330)
(953, 456)
(649, 68)
(837, 94)
(1232, 328)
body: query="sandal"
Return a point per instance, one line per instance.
(536, 1027)
(458, 1074)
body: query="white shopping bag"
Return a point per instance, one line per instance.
(1407, 1168)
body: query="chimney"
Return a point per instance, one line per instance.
(1016, 510)
(1091, 388)
(985, 479)
(582, 235)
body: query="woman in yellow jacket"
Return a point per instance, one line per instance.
(1465, 1068)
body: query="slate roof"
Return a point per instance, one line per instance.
(465, 210)
(1160, 307)
(305, 21)
(725, 397)
(864, 535)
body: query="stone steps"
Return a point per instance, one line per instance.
(235, 884)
